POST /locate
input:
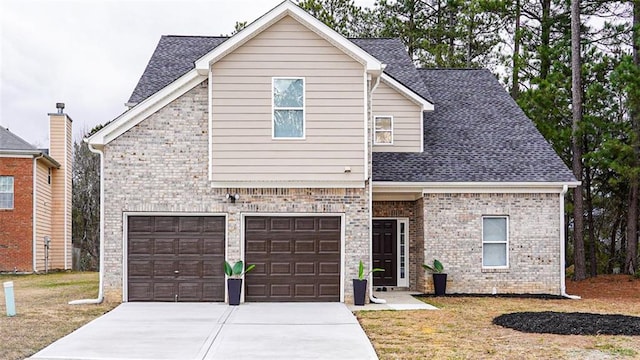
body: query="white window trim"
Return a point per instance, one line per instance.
(376, 131)
(506, 242)
(12, 192)
(304, 109)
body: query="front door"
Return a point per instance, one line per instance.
(385, 252)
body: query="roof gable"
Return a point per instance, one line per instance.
(288, 8)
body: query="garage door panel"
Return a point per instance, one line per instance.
(213, 246)
(164, 246)
(189, 246)
(295, 260)
(164, 224)
(159, 246)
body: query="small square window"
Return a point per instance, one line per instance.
(288, 108)
(383, 132)
(6, 192)
(495, 230)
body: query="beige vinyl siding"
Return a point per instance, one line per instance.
(60, 150)
(242, 146)
(43, 211)
(406, 115)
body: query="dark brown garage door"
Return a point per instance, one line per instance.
(296, 258)
(177, 258)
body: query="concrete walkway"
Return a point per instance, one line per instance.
(395, 300)
(217, 331)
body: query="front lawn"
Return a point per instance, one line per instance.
(463, 329)
(43, 314)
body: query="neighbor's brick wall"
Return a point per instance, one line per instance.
(453, 234)
(16, 225)
(407, 209)
(161, 165)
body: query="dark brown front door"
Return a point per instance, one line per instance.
(296, 258)
(385, 252)
(175, 258)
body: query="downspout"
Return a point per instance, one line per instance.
(35, 211)
(100, 297)
(372, 298)
(563, 288)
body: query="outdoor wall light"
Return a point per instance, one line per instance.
(233, 197)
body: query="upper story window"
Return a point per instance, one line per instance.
(288, 108)
(495, 239)
(6, 192)
(383, 134)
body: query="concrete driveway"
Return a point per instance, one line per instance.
(217, 331)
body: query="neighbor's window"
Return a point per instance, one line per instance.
(383, 130)
(288, 108)
(495, 230)
(6, 192)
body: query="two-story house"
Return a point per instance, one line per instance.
(35, 199)
(293, 148)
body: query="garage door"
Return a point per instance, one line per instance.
(296, 258)
(175, 258)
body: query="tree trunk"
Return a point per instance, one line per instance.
(612, 243)
(576, 142)
(545, 38)
(593, 241)
(631, 260)
(515, 71)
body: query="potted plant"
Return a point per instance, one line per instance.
(234, 280)
(360, 284)
(439, 277)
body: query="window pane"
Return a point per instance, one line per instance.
(6, 200)
(383, 137)
(288, 123)
(494, 229)
(494, 255)
(6, 184)
(383, 123)
(288, 92)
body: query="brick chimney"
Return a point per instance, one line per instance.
(60, 149)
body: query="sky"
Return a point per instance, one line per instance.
(89, 54)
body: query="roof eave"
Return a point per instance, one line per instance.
(473, 187)
(412, 95)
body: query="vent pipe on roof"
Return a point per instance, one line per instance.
(60, 107)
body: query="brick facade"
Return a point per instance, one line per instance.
(16, 225)
(161, 165)
(453, 234)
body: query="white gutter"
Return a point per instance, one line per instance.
(372, 299)
(35, 211)
(563, 289)
(100, 297)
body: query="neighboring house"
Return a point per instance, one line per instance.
(303, 152)
(35, 200)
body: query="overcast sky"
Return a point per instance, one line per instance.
(90, 54)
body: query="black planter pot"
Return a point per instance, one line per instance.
(359, 291)
(440, 284)
(234, 287)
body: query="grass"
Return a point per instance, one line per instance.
(43, 314)
(463, 329)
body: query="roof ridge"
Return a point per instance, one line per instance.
(198, 36)
(453, 69)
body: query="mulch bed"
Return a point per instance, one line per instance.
(551, 322)
(517, 296)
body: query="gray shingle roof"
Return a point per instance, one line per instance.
(174, 56)
(11, 141)
(399, 65)
(477, 133)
